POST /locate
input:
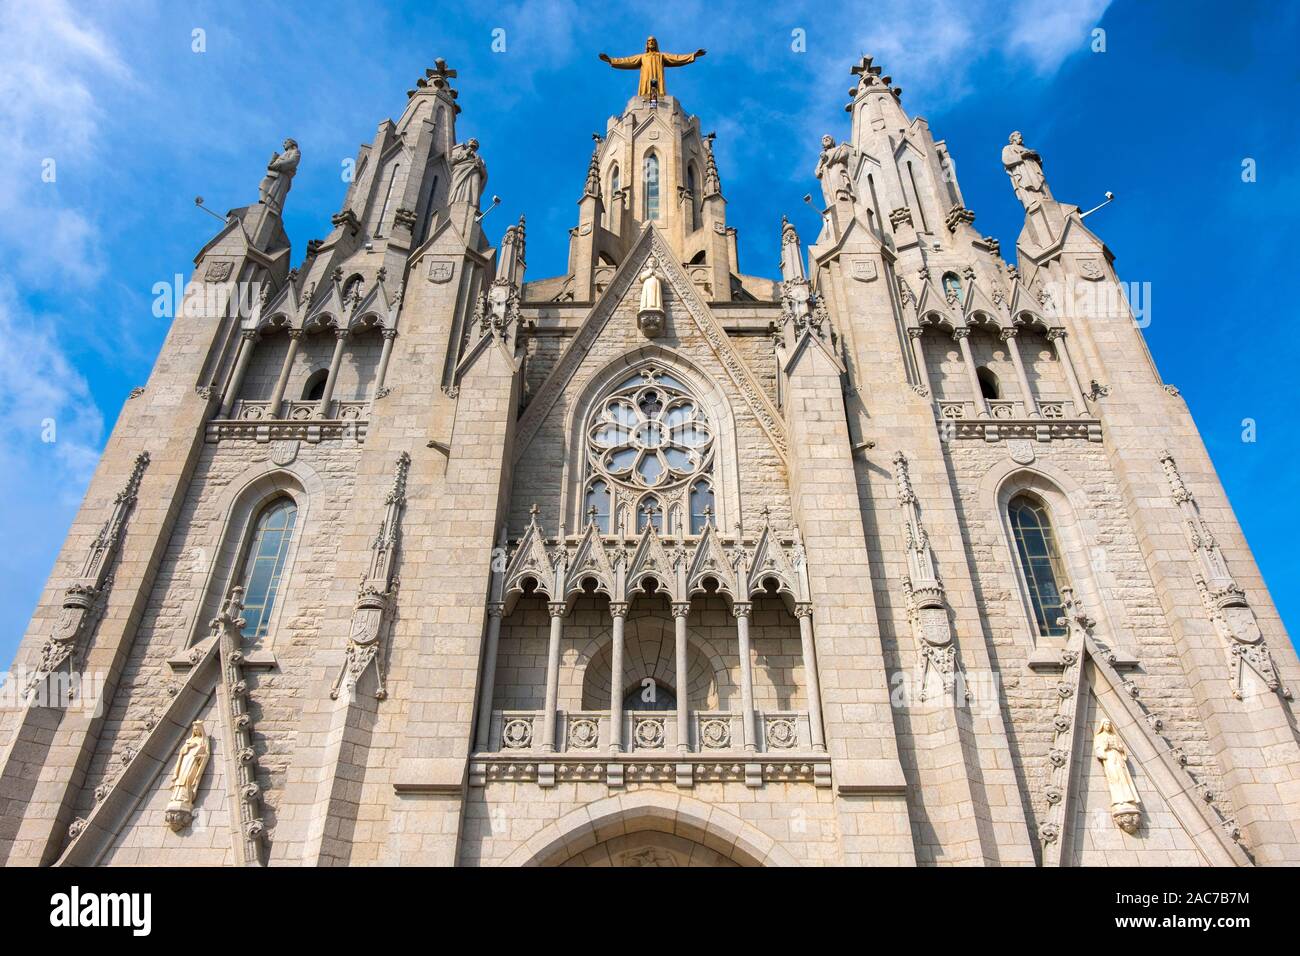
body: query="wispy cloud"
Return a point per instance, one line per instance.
(55, 62)
(54, 59)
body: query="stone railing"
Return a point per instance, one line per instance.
(296, 420)
(586, 732)
(1010, 419)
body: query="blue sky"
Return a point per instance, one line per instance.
(138, 123)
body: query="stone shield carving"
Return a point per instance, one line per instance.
(1091, 269)
(218, 270)
(283, 452)
(1021, 450)
(864, 270)
(441, 270)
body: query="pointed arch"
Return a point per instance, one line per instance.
(246, 497)
(688, 817)
(1076, 532)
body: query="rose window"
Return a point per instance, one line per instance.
(650, 448)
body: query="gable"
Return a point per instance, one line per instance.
(608, 324)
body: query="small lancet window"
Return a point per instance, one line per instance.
(694, 197)
(388, 201)
(988, 383)
(650, 182)
(314, 390)
(263, 572)
(952, 287)
(702, 507)
(650, 512)
(1040, 562)
(597, 504)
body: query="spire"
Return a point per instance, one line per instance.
(592, 187)
(792, 267)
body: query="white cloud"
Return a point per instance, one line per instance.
(55, 64)
(54, 60)
(42, 397)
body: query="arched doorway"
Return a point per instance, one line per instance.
(650, 829)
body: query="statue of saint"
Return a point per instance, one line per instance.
(792, 269)
(279, 176)
(650, 314)
(1025, 167)
(190, 764)
(651, 63)
(468, 173)
(833, 170)
(1125, 804)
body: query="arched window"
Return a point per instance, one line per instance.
(650, 185)
(702, 507)
(314, 389)
(650, 512)
(952, 286)
(694, 197)
(597, 504)
(614, 183)
(649, 433)
(988, 383)
(388, 201)
(262, 574)
(1040, 562)
(649, 696)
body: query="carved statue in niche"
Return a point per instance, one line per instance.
(833, 170)
(650, 313)
(1125, 805)
(279, 176)
(1025, 167)
(468, 173)
(190, 764)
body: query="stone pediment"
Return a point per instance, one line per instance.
(695, 311)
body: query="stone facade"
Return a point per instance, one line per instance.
(656, 563)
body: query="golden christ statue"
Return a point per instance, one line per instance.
(651, 63)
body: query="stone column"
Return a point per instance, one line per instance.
(618, 609)
(741, 611)
(918, 351)
(1031, 406)
(558, 610)
(814, 689)
(962, 338)
(384, 355)
(277, 399)
(1057, 338)
(247, 339)
(340, 340)
(482, 737)
(680, 612)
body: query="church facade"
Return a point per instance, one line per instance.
(904, 556)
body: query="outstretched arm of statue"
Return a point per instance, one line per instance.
(681, 59)
(623, 62)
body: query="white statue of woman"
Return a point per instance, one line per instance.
(1125, 803)
(1025, 167)
(650, 313)
(191, 761)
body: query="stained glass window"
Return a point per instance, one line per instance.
(651, 185)
(264, 564)
(650, 433)
(1040, 562)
